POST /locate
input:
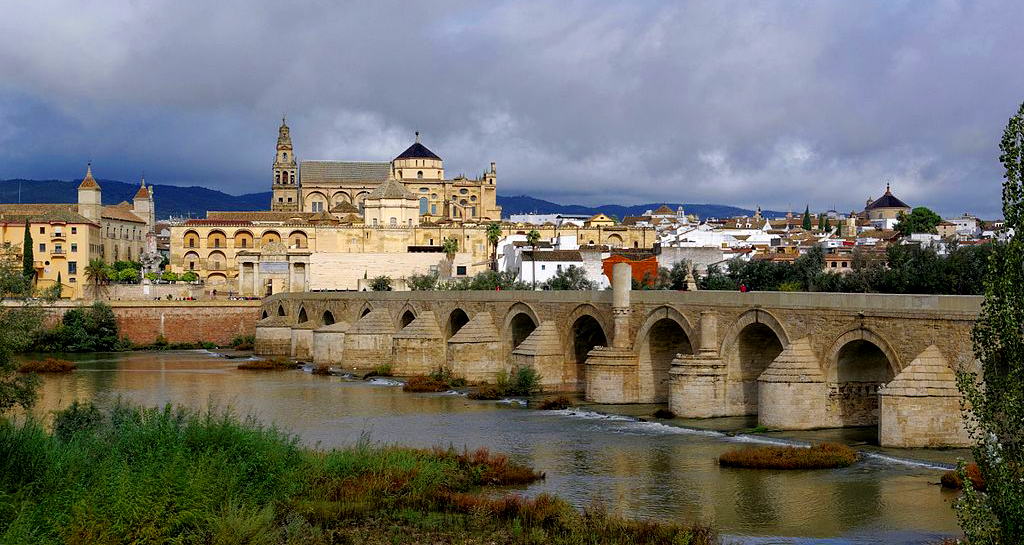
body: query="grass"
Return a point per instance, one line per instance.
(273, 364)
(48, 365)
(951, 479)
(379, 371)
(122, 474)
(818, 456)
(555, 404)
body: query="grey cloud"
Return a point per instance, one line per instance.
(770, 103)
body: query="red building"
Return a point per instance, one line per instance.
(644, 262)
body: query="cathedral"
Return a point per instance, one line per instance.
(405, 191)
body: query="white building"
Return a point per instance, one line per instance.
(546, 264)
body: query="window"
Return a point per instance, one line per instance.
(286, 156)
(289, 199)
(74, 230)
(433, 210)
(833, 264)
(374, 224)
(72, 279)
(844, 264)
(280, 199)
(419, 174)
(472, 198)
(74, 246)
(423, 205)
(431, 242)
(42, 230)
(472, 211)
(463, 191)
(542, 267)
(394, 222)
(72, 267)
(559, 267)
(42, 246)
(424, 190)
(460, 270)
(191, 265)
(58, 249)
(318, 206)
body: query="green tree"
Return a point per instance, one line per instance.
(128, 275)
(493, 237)
(821, 222)
(570, 278)
(187, 276)
(19, 326)
(28, 264)
(920, 220)
(806, 224)
(450, 247)
(828, 224)
(58, 287)
(96, 275)
(422, 282)
(381, 283)
(533, 237)
(993, 403)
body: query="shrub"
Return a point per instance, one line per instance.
(83, 329)
(664, 414)
(951, 479)
(818, 456)
(274, 364)
(487, 392)
(556, 404)
(76, 418)
(169, 276)
(379, 371)
(243, 342)
(424, 383)
(189, 276)
(524, 382)
(322, 370)
(381, 283)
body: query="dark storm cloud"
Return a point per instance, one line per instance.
(770, 103)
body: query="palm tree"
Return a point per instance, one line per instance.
(493, 236)
(450, 248)
(96, 274)
(533, 237)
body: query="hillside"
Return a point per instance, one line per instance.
(171, 200)
(194, 201)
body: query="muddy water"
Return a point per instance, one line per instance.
(635, 468)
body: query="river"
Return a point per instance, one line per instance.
(591, 455)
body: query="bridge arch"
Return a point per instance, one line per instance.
(664, 333)
(588, 327)
(327, 318)
(405, 317)
(858, 363)
(520, 321)
(457, 318)
(750, 345)
(281, 311)
(303, 317)
(262, 317)
(363, 311)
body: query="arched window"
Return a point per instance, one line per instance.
(419, 174)
(423, 206)
(286, 156)
(277, 177)
(394, 222)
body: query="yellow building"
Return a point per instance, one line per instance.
(66, 236)
(329, 186)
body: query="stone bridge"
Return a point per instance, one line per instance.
(796, 360)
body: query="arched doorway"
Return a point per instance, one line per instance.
(658, 347)
(755, 347)
(860, 368)
(456, 320)
(407, 318)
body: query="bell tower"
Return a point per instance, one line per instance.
(286, 175)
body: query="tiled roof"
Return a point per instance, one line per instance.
(344, 207)
(390, 189)
(664, 210)
(143, 192)
(257, 215)
(88, 181)
(553, 255)
(888, 200)
(417, 151)
(39, 213)
(120, 213)
(235, 223)
(343, 171)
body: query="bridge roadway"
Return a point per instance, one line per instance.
(797, 360)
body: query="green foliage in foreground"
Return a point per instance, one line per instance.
(484, 281)
(994, 400)
(82, 329)
(128, 475)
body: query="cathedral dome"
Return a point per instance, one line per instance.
(417, 151)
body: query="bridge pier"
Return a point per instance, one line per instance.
(474, 353)
(329, 343)
(418, 348)
(921, 406)
(368, 341)
(273, 336)
(542, 350)
(611, 372)
(791, 392)
(302, 340)
(698, 382)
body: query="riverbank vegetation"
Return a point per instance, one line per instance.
(439, 380)
(122, 474)
(818, 456)
(272, 364)
(524, 381)
(952, 479)
(48, 365)
(555, 404)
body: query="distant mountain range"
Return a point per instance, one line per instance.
(194, 201)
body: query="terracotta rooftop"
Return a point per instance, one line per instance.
(88, 182)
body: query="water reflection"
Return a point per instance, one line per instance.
(640, 470)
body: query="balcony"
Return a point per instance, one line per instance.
(58, 235)
(60, 253)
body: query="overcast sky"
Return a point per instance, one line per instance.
(775, 104)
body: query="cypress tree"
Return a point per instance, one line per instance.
(993, 403)
(828, 225)
(28, 264)
(60, 286)
(807, 219)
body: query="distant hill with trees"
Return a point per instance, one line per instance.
(194, 201)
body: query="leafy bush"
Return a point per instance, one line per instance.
(79, 417)
(381, 283)
(243, 342)
(189, 276)
(818, 456)
(556, 404)
(570, 278)
(525, 381)
(169, 276)
(151, 276)
(82, 329)
(422, 282)
(128, 275)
